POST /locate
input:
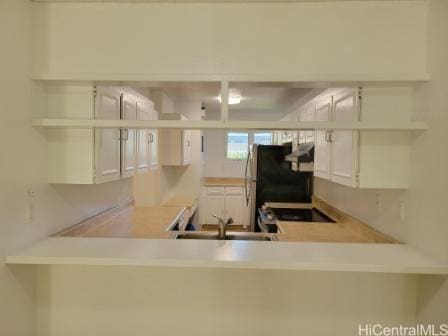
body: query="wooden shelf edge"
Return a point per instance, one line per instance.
(243, 125)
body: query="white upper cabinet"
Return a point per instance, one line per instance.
(175, 147)
(107, 141)
(321, 137)
(143, 139)
(88, 156)
(306, 113)
(302, 116)
(128, 137)
(364, 159)
(147, 142)
(344, 144)
(309, 135)
(153, 149)
(186, 147)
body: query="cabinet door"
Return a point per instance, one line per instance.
(186, 147)
(344, 146)
(107, 141)
(154, 149)
(321, 140)
(234, 208)
(128, 137)
(143, 140)
(309, 135)
(215, 206)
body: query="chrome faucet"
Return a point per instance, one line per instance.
(222, 226)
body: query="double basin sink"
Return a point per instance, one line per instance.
(229, 236)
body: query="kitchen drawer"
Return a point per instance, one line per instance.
(234, 190)
(215, 190)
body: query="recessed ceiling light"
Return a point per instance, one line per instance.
(233, 100)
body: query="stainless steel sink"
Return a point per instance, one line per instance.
(250, 237)
(229, 236)
(196, 236)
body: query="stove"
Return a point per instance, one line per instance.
(301, 215)
(268, 217)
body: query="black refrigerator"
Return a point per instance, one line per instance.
(269, 178)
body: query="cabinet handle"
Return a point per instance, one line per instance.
(329, 136)
(150, 138)
(124, 134)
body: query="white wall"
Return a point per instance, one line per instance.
(428, 200)
(24, 165)
(286, 40)
(158, 186)
(112, 301)
(381, 209)
(355, 38)
(429, 185)
(186, 180)
(425, 226)
(215, 162)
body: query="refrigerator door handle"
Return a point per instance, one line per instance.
(246, 179)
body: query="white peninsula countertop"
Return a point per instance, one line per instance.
(351, 257)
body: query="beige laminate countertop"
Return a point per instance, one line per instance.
(223, 182)
(181, 201)
(152, 222)
(129, 222)
(346, 229)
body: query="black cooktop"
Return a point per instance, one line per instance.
(301, 215)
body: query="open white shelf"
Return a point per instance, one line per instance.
(231, 124)
(302, 79)
(350, 257)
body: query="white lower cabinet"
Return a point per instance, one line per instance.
(214, 206)
(87, 156)
(224, 202)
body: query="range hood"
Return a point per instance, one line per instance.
(302, 158)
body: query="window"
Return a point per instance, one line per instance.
(264, 138)
(238, 143)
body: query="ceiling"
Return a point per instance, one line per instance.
(261, 97)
